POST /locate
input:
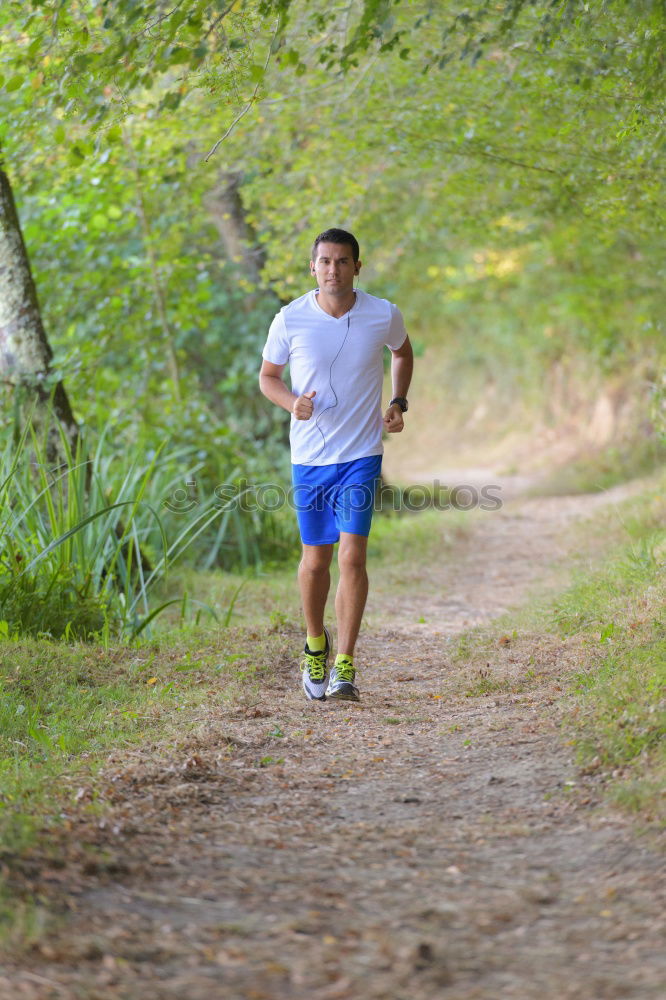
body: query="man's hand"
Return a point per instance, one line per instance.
(393, 422)
(303, 407)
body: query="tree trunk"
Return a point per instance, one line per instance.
(228, 215)
(25, 353)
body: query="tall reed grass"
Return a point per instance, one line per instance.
(85, 547)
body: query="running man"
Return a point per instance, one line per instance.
(333, 339)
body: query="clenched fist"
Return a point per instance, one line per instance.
(393, 421)
(303, 407)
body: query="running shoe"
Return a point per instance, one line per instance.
(315, 671)
(341, 683)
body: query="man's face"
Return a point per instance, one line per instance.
(335, 268)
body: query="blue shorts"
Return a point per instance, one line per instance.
(329, 499)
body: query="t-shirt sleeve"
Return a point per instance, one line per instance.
(276, 348)
(396, 335)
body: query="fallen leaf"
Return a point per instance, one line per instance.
(257, 713)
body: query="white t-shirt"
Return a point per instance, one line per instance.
(341, 359)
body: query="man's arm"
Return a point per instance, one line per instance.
(402, 366)
(274, 388)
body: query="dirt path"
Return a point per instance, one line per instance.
(421, 845)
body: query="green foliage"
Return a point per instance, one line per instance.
(186, 354)
(529, 168)
(608, 467)
(85, 545)
(658, 408)
(104, 62)
(527, 157)
(501, 163)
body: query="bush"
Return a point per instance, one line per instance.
(84, 545)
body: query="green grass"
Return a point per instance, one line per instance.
(410, 537)
(604, 468)
(63, 707)
(619, 719)
(621, 697)
(399, 550)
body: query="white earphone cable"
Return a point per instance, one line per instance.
(330, 382)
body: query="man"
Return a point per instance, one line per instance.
(333, 339)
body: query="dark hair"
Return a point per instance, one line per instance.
(336, 236)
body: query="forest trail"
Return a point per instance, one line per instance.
(431, 842)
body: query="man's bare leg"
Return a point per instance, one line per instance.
(314, 580)
(352, 589)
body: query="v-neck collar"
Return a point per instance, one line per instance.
(336, 319)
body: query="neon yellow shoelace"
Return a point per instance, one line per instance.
(344, 671)
(315, 663)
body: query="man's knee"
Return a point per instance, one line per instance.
(352, 553)
(316, 558)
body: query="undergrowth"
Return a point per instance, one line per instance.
(600, 470)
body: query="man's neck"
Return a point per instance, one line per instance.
(335, 305)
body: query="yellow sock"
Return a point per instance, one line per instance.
(344, 656)
(316, 643)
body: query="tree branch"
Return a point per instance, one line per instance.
(471, 150)
(158, 20)
(249, 104)
(155, 276)
(218, 21)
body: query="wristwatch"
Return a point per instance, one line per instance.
(402, 403)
